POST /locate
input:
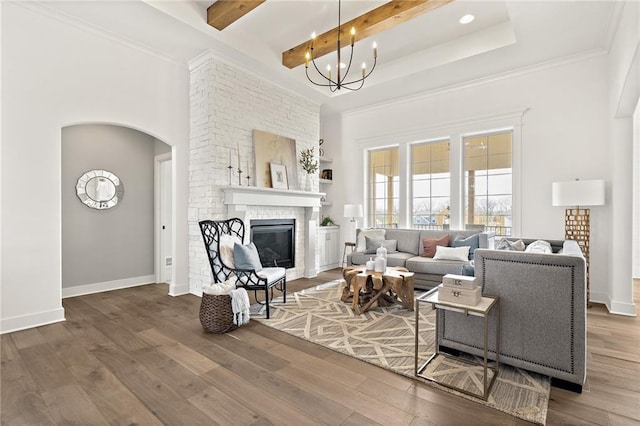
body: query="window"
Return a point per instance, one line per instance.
(384, 188)
(431, 182)
(487, 182)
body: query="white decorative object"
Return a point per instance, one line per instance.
(463, 296)
(371, 264)
(382, 251)
(381, 264)
(459, 281)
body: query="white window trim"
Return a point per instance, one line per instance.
(455, 132)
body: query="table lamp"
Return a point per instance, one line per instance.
(578, 193)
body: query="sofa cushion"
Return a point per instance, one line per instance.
(429, 245)
(361, 244)
(373, 244)
(421, 264)
(452, 253)
(393, 259)
(408, 240)
(473, 241)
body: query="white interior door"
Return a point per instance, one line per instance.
(166, 231)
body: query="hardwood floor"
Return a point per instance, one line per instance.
(139, 356)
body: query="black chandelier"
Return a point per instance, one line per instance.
(341, 80)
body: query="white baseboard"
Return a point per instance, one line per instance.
(81, 290)
(178, 289)
(618, 308)
(623, 308)
(22, 322)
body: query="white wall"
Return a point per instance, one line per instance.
(227, 104)
(56, 74)
(564, 135)
(624, 83)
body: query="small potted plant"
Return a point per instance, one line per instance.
(309, 165)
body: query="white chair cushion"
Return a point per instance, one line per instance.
(272, 274)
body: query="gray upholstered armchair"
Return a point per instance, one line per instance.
(219, 238)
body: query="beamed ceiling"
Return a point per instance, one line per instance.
(421, 44)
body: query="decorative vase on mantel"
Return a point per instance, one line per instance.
(310, 166)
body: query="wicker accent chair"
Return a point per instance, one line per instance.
(265, 280)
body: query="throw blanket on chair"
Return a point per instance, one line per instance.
(240, 306)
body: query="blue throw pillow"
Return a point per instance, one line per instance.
(473, 241)
(246, 257)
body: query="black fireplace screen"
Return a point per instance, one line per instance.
(275, 241)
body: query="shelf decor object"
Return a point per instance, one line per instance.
(577, 194)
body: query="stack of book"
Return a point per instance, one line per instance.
(460, 289)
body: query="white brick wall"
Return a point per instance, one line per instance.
(227, 104)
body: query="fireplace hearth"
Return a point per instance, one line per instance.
(275, 241)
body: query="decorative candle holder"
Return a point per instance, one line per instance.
(239, 177)
(230, 167)
(247, 178)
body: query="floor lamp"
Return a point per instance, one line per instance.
(351, 211)
(577, 226)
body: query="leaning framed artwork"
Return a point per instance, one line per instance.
(270, 148)
(279, 176)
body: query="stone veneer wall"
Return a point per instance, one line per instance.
(227, 104)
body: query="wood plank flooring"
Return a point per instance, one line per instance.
(139, 356)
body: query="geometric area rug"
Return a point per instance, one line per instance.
(385, 337)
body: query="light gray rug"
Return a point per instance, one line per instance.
(385, 337)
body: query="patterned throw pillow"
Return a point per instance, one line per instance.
(429, 245)
(505, 244)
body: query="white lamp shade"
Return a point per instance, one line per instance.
(353, 210)
(578, 193)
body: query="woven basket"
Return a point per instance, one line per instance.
(216, 315)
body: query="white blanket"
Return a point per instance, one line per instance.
(240, 306)
(218, 289)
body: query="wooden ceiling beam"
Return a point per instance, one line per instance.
(223, 13)
(376, 21)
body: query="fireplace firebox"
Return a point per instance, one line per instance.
(275, 240)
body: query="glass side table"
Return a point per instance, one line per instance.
(483, 309)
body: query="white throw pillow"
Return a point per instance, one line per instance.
(227, 242)
(452, 253)
(539, 246)
(376, 234)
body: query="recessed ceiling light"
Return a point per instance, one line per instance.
(467, 19)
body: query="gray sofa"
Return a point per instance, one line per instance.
(542, 312)
(428, 272)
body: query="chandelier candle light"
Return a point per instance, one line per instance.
(341, 80)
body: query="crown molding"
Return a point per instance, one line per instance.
(45, 10)
(478, 82)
